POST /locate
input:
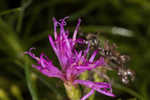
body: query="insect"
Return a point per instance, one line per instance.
(90, 39)
(117, 61)
(114, 59)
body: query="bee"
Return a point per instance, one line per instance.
(90, 39)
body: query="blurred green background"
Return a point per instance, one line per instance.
(27, 23)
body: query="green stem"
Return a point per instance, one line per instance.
(128, 90)
(30, 83)
(20, 19)
(21, 14)
(10, 11)
(72, 91)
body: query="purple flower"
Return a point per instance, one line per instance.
(72, 62)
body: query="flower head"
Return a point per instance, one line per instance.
(72, 62)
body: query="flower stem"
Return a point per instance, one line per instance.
(72, 91)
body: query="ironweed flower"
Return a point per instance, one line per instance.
(72, 62)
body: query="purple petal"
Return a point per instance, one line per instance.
(56, 50)
(47, 68)
(62, 24)
(48, 72)
(78, 56)
(93, 56)
(47, 64)
(55, 26)
(100, 62)
(32, 54)
(87, 50)
(105, 92)
(52, 44)
(101, 87)
(82, 67)
(76, 30)
(87, 95)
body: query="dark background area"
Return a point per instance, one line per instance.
(27, 23)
